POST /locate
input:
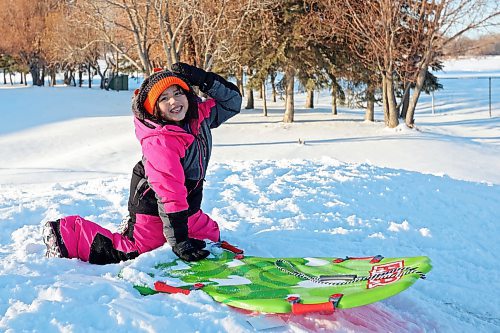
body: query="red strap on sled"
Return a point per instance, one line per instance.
(162, 287)
(327, 307)
(165, 288)
(299, 308)
(226, 246)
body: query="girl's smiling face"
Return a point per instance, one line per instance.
(173, 104)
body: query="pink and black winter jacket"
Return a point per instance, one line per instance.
(168, 182)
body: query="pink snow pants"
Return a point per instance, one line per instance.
(87, 240)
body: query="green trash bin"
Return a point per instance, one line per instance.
(123, 82)
(119, 82)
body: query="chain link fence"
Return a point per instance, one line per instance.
(467, 94)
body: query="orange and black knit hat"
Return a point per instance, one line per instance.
(144, 102)
(157, 83)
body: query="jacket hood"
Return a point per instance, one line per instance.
(145, 129)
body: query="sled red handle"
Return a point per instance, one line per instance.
(226, 246)
(299, 308)
(165, 288)
(326, 307)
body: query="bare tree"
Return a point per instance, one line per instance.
(488, 44)
(218, 26)
(173, 20)
(373, 29)
(23, 24)
(69, 45)
(399, 40)
(436, 25)
(125, 25)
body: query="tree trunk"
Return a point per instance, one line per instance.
(334, 104)
(174, 56)
(35, 74)
(405, 102)
(393, 120)
(80, 77)
(53, 77)
(390, 110)
(394, 100)
(410, 120)
(89, 71)
(384, 100)
(310, 99)
(370, 102)
(101, 74)
(273, 85)
(66, 78)
(264, 102)
(334, 96)
(250, 101)
(4, 77)
(239, 81)
(261, 90)
(42, 76)
(290, 80)
(242, 82)
(22, 79)
(141, 48)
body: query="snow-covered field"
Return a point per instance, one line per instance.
(353, 188)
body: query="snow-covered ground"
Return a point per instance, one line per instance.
(352, 188)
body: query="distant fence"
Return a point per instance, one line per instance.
(477, 93)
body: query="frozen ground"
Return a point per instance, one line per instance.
(353, 188)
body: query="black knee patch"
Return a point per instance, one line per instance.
(102, 252)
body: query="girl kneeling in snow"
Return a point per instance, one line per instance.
(173, 126)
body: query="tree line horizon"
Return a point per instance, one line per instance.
(384, 49)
